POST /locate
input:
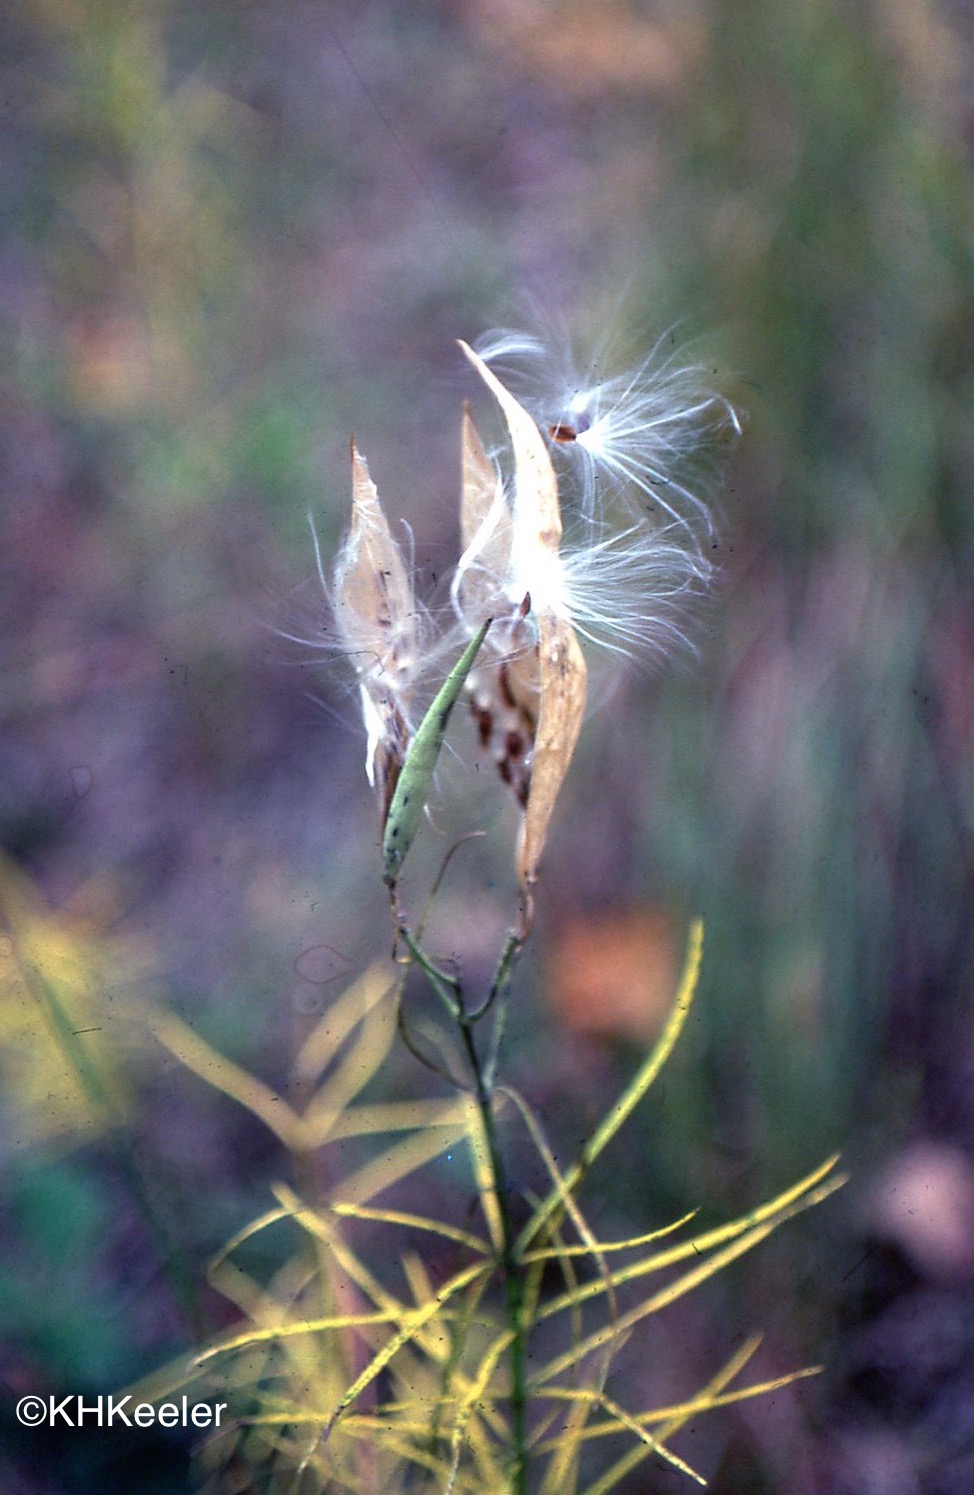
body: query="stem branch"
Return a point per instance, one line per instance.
(447, 988)
(511, 1266)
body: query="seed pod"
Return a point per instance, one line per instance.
(561, 708)
(536, 569)
(378, 622)
(412, 786)
(478, 588)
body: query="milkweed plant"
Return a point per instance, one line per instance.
(495, 1371)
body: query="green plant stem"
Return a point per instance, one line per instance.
(511, 1266)
(447, 988)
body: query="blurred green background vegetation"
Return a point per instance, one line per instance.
(235, 234)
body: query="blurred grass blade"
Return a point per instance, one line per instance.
(340, 1019)
(365, 1056)
(400, 1160)
(246, 1233)
(229, 1078)
(395, 1116)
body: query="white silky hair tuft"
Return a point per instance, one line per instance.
(624, 437)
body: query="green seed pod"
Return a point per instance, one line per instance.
(412, 786)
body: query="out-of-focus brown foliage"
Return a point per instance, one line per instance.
(611, 976)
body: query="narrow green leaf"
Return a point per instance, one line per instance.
(413, 783)
(800, 1196)
(413, 1321)
(636, 1456)
(676, 1289)
(630, 1097)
